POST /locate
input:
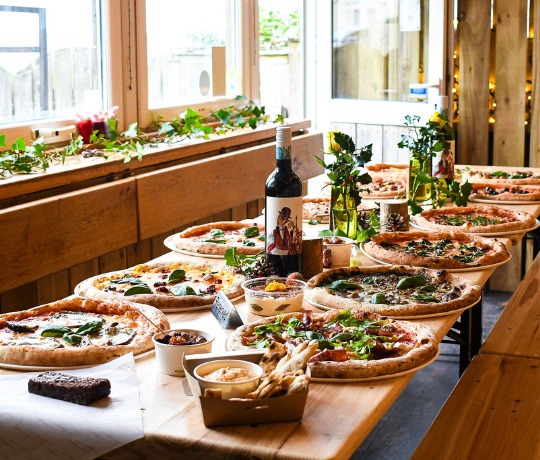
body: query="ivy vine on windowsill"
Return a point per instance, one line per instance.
(24, 158)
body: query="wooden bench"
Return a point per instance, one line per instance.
(493, 413)
(517, 331)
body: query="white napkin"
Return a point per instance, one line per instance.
(37, 427)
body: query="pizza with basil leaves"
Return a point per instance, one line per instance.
(180, 284)
(392, 290)
(352, 344)
(449, 250)
(77, 332)
(507, 176)
(475, 219)
(216, 237)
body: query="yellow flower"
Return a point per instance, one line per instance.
(333, 146)
(436, 119)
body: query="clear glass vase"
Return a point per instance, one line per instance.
(418, 191)
(343, 213)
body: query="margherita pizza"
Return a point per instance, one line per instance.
(75, 332)
(353, 344)
(504, 192)
(392, 290)
(181, 284)
(217, 237)
(502, 176)
(450, 250)
(479, 219)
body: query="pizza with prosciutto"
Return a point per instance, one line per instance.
(504, 192)
(392, 290)
(450, 250)
(352, 344)
(216, 237)
(179, 284)
(475, 219)
(76, 332)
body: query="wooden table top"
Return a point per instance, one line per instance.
(494, 412)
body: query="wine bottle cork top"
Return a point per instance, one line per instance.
(284, 135)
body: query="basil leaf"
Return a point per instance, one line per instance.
(128, 280)
(89, 328)
(55, 331)
(314, 222)
(72, 338)
(342, 337)
(176, 276)
(411, 282)
(217, 232)
(182, 290)
(261, 237)
(210, 240)
(248, 243)
(138, 289)
(341, 285)
(251, 232)
(424, 297)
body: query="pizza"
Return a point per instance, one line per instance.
(353, 344)
(450, 250)
(504, 192)
(502, 176)
(392, 290)
(479, 219)
(316, 209)
(76, 332)
(216, 237)
(388, 180)
(180, 284)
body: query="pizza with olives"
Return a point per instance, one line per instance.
(449, 250)
(479, 219)
(216, 237)
(76, 332)
(392, 290)
(504, 192)
(352, 344)
(180, 284)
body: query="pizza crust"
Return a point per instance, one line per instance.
(189, 239)
(144, 317)
(93, 287)
(469, 292)
(509, 220)
(380, 247)
(426, 348)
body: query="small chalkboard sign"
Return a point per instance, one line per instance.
(224, 311)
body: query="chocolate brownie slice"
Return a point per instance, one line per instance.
(79, 390)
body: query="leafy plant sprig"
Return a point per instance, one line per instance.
(345, 171)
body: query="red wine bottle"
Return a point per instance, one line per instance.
(283, 210)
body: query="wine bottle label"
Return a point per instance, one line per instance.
(443, 163)
(283, 225)
(283, 153)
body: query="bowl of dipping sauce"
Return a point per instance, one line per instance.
(337, 251)
(270, 296)
(172, 345)
(235, 378)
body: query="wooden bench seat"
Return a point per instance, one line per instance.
(492, 413)
(517, 331)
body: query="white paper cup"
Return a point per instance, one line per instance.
(340, 252)
(169, 357)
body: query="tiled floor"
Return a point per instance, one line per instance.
(398, 433)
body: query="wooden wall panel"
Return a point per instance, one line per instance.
(182, 194)
(55, 233)
(510, 77)
(474, 63)
(534, 153)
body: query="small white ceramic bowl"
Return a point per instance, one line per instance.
(340, 250)
(170, 357)
(270, 303)
(230, 389)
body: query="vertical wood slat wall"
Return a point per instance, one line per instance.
(501, 54)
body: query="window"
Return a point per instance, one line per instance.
(53, 69)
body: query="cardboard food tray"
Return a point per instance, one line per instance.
(240, 412)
